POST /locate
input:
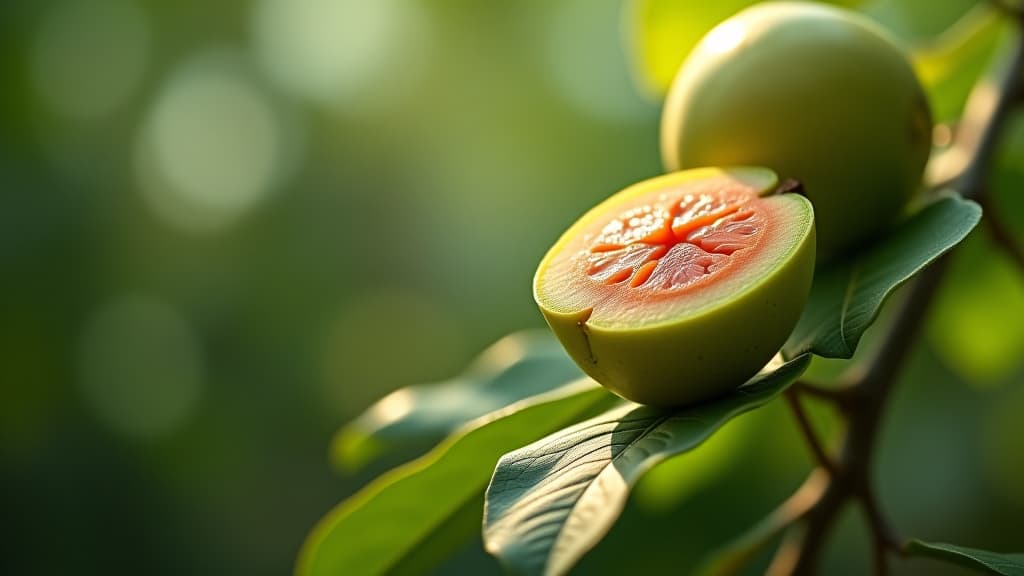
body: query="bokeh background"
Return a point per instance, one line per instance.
(227, 227)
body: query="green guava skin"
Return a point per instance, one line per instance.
(694, 357)
(814, 92)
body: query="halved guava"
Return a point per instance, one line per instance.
(681, 287)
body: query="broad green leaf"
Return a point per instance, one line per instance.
(669, 484)
(847, 296)
(518, 366)
(552, 501)
(949, 65)
(981, 560)
(402, 520)
(660, 33)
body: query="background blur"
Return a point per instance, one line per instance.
(227, 227)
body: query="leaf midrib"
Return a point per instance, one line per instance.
(611, 461)
(845, 308)
(462, 503)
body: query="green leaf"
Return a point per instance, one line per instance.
(404, 520)
(552, 501)
(518, 366)
(660, 33)
(981, 560)
(673, 482)
(847, 296)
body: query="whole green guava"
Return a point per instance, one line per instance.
(816, 93)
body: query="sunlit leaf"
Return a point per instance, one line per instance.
(552, 501)
(516, 367)
(660, 33)
(674, 481)
(847, 296)
(404, 519)
(981, 560)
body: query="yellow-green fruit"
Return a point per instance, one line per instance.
(681, 287)
(813, 92)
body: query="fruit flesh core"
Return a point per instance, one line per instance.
(705, 238)
(675, 242)
(681, 287)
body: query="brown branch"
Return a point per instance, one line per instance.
(799, 552)
(822, 457)
(979, 132)
(840, 396)
(745, 548)
(883, 535)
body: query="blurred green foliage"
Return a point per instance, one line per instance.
(227, 228)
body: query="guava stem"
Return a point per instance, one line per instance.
(789, 186)
(841, 397)
(813, 442)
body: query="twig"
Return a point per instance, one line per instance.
(880, 560)
(799, 553)
(745, 548)
(841, 397)
(980, 130)
(824, 460)
(885, 536)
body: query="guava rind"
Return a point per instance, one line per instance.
(702, 353)
(814, 92)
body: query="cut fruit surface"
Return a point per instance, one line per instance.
(678, 284)
(674, 241)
